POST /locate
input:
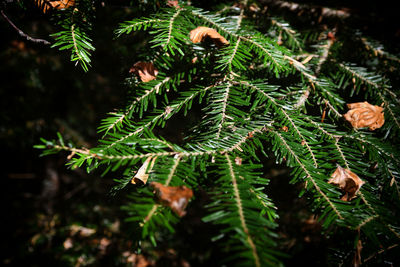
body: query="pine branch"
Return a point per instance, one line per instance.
(155, 207)
(182, 102)
(364, 218)
(309, 177)
(240, 210)
(377, 50)
(136, 25)
(290, 35)
(249, 239)
(142, 100)
(287, 117)
(374, 84)
(74, 37)
(243, 116)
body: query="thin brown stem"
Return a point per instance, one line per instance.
(22, 34)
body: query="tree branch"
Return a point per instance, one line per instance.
(22, 34)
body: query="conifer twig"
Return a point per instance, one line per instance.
(241, 214)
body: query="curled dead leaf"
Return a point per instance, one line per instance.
(363, 114)
(200, 34)
(142, 174)
(146, 71)
(175, 197)
(348, 181)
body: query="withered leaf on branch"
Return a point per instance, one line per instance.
(175, 197)
(142, 174)
(173, 3)
(348, 181)
(145, 70)
(200, 34)
(45, 5)
(363, 114)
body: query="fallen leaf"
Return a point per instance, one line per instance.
(142, 174)
(145, 70)
(200, 34)
(137, 260)
(68, 243)
(348, 181)
(35, 238)
(81, 230)
(104, 243)
(363, 114)
(175, 197)
(285, 129)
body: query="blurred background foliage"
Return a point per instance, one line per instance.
(54, 216)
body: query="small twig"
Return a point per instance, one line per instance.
(22, 34)
(380, 252)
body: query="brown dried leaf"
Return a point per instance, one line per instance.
(363, 114)
(200, 34)
(145, 70)
(103, 244)
(45, 5)
(348, 181)
(175, 197)
(254, 7)
(138, 260)
(173, 3)
(238, 161)
(142, 174)
(68, 243)
(331, 36)
(81, 230)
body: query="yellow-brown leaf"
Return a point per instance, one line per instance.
(175, 197)
(348, 181)
(142, 174)
(145, 70)
(363, 114)
(200, 34)
(45, 5)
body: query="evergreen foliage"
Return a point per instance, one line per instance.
(272, 91)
